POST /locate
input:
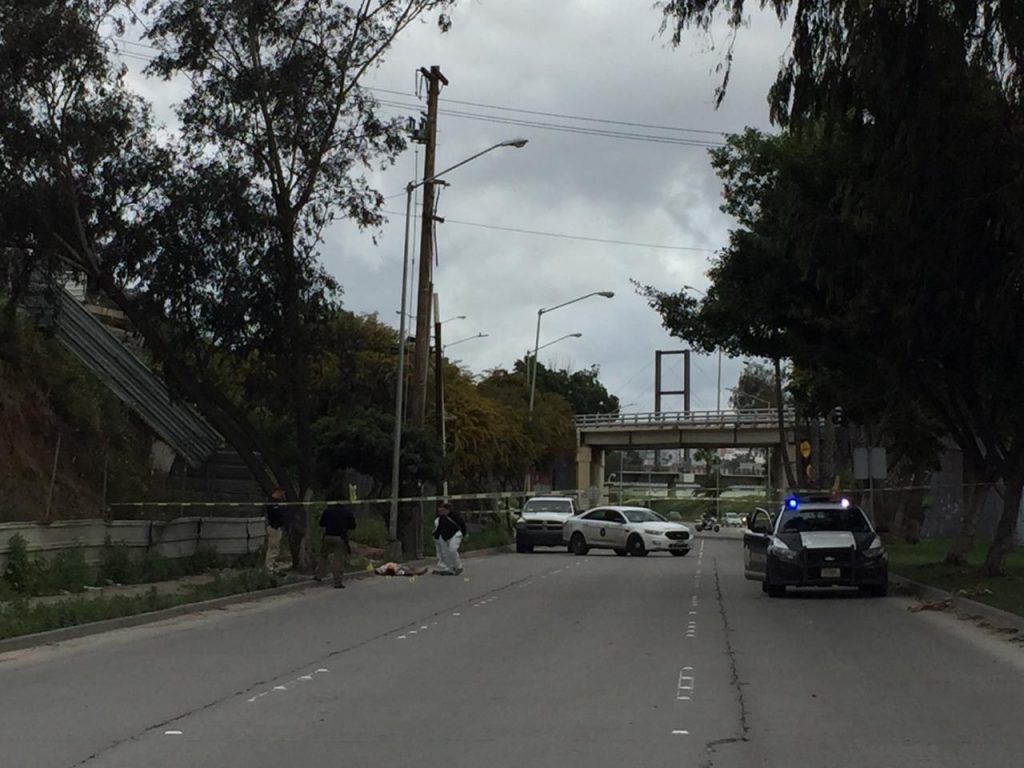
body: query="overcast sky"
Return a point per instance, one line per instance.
(588, 58)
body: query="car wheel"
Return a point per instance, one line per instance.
(764, 587)
(775, 590)
(718, 528)
(522, 548)
(578, 544)
(679, 552)
(621, 552)
(635, 546)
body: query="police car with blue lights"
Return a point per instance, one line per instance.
(815, 541)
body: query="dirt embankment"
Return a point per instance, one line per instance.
(46, 395)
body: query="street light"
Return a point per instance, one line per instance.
(719, 391)
(751, 396)
(536, 343)
(468, 338)
(560, 338)
(457, 317)
(396, 453)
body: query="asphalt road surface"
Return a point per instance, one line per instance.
(527, 660)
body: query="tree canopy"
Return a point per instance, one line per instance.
(878, 239)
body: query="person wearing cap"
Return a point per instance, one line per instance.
(275, 521)
(449, 530)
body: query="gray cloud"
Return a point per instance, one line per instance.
(579, 57)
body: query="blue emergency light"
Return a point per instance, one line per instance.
(792, 503)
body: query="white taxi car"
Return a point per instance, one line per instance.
(625, 530)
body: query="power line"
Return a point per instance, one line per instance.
(562, 128)
(564, 236)
(581, 118)
(542, 125)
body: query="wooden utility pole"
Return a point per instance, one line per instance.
(421, 352)
(439, 397)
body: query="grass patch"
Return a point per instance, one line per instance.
(24, 617)
(29, 575)
(922, 562)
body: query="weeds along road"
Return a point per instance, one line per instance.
(539, 660)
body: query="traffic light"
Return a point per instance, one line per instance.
(838, 416)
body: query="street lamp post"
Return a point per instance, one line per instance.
(718, 406)
(443, 411)
(468, 338)
(536, 343)
(396, 452)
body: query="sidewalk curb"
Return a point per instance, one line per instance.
(963, 607)
(151, 617)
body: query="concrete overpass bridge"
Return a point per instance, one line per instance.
(599, 433)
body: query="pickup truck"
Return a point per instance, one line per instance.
(540, 522)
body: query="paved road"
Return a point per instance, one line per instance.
(530, 660)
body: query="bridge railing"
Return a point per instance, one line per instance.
(751, 417)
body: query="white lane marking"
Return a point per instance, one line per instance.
(172, 733)
(425, 627)
(456, 614)
(693, 613)
(305, 677)
(400, 637)
(412, 632)
(280, 688)
(321, 670)
(253, 699)
(688, 669)
(680, 733)
(685, 684)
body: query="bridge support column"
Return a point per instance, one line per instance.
(590, 474)
(583, 456)
(597, 474)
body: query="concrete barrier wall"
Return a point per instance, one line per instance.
(172, 539)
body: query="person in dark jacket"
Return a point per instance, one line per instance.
(275, 521)
(449, 530)
(336, 520)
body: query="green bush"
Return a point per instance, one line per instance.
(68, 571)
(116, 564)
(19, 572)
(372, 532)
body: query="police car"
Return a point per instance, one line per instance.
(634, 531)
(815, 541)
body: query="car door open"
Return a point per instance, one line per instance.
(755, 545)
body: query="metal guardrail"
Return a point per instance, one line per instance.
(754, 417)
(176, 422)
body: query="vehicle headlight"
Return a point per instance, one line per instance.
(652, 533)
(779, 548)
(875, 549)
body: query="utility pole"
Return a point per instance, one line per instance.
(421, 352)
(439, 395)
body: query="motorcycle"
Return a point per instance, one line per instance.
(708, 523)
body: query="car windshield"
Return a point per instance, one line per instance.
(552, 505)
(808, 520)
(643, 516)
